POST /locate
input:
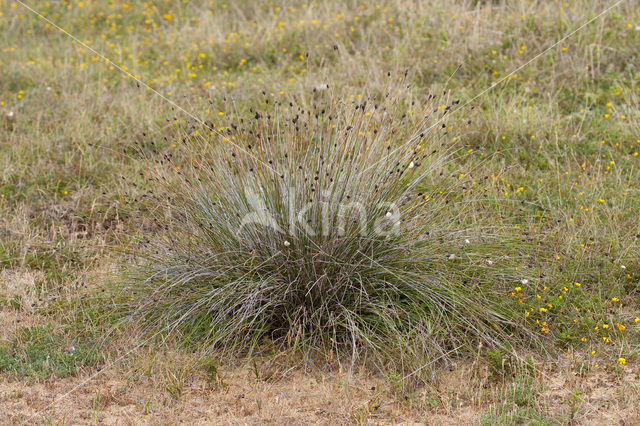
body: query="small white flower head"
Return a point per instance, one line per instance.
(287, 243)
(525, 281)
(389, 214)
(623, 267)
(411, 165)
(48, 88)
(467, 241)
(489, 262)
(10, 114)
(452, 256)
(323, 86)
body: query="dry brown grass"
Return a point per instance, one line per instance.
(145, 393)
(20, 284)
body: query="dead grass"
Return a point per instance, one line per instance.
(296, 397)
(132, 395)
(18, 288)
(603, 397)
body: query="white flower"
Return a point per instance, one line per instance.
(287, 243)
(623, 267)
(467, 241)
(525, 281)
(389, 214)
(10, 114)
(411, 165)
(452, 256)
(489, 262)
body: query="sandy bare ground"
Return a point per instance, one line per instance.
(133, 396)
(297, 398)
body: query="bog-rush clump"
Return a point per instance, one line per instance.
(333, 225)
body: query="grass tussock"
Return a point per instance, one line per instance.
(553, 172)
(329, 225)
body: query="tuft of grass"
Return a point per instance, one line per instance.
(329, 225)
(555, 140)
(40, 353)
(517, 404)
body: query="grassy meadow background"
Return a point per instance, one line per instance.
(552, 147)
